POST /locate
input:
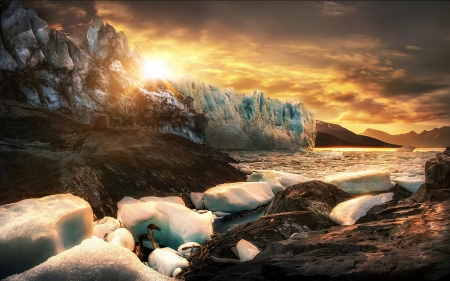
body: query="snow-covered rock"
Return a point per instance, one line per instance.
(247, 251)
(93, 259)
(166, 260)
(410, 183)
(191, 249)
(178, 223)
(121, 237)
(348, 212)
(239, 196)
(361, 181)
(105, 226)
(35, 229)
(250, 121)
(197, 200)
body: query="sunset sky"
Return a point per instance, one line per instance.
(383, 65)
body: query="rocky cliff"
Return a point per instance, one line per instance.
(46, 68)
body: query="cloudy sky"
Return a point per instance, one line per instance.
(383, 65)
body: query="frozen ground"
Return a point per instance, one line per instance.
(322, 163)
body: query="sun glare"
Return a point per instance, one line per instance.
(155, 69)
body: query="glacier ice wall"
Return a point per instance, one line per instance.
(249, 121)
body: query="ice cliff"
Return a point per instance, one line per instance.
(47, 68)
(249, 121)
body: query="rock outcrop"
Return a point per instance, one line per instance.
(46, 68)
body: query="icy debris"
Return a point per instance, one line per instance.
(410, 183)
(348, 212)
(221, 214)
(93, 259)
(238, 196)
(197, 200)
(168, 199)
(361, 181)
(274, 184)
(166, 260)
(406, 148)
(35, 229)
(193, 247)
(247, 251)
(285, 179)
(105, 226)
(121, 237)
(178, 223)
(176, 271)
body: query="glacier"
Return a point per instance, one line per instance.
(249, 121)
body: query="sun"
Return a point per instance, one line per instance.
(155, 68)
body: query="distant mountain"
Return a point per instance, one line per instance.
(329, 134)
(438, 137)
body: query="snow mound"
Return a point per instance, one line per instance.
(348, 212)
(93, 259)
(239, 196)
(35, 229)
(247, 251)
(410, 183)
(105, 226)
(121, 237)
(361, 181)
(178, 223)
(166, 260)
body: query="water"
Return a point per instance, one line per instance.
(322, 162)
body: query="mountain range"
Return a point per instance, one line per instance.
(437, 137)
(333, 135)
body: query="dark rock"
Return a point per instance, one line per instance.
(437, 176)
(99, 122)
(316, 196)
(399, 192)
(18, 37)
(43, 152)
(392, 210)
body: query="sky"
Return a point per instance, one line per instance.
(367, 64)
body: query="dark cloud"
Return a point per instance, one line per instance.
(72, 16)
(344, 98)
(404, 87)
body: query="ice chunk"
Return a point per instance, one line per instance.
(93, 259)
(271, 179)
(178, 223)
(35, 229)
(221, 214)
(285, 179)
(348, 212)
(255, 176)
(166, 260)
(197, 200)
(169, 199)
(105, 226)
(176, 271)
(361, 181)
(239, 196)
(188, 252)
(121, 237)
(410, 183)
(247, 251)
(186, 225)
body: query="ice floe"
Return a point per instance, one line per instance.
(361, 181)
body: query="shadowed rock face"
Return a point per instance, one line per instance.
(43, 152)
(398, 240)
(46, 68)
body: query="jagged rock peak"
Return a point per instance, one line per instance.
(97, 23)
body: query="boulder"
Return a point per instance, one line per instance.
(316, 196)
(35, 229)
(99, 122)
